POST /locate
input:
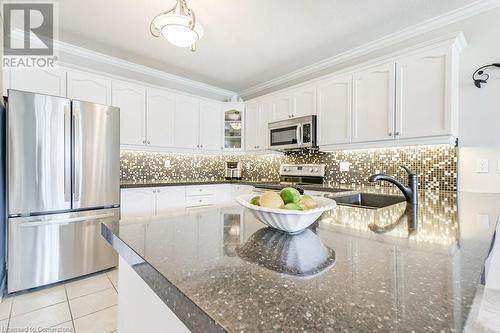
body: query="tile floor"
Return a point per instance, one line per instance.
(87, 305)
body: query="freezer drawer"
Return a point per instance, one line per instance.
(51, 248)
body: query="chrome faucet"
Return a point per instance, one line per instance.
(410, 192)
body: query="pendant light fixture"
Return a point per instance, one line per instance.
(178, 25)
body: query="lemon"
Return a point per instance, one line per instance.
(271, 199)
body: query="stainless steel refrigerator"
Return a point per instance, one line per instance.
(63, 180)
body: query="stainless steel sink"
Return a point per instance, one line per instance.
(368, 200)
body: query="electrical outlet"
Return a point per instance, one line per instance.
(482, 166)
(167, 164)
(345, 166)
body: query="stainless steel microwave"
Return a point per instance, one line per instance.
(293, 134)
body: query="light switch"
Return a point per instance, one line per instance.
(345, 166)
(482, 166)
(167, 164)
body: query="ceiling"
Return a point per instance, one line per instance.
(246, 42)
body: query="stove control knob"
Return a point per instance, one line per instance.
(316, 170)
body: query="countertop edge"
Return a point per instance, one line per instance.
(195, 319)
(187, 182)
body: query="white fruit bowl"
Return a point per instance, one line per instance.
(290, 221)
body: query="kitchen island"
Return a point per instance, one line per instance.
(393, 269)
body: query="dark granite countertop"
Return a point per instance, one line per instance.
(356, 270)
(189, 182)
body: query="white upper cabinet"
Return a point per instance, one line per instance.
(373, 103)
(48, 82)
(131, 99)
(210, 125)
(258, 115)
(160, 118)
(88, 87)
(262, 129)
(335, 110)
(281, 106)
(252, 126)
(304, 101)
(187, 122)
(423, 94)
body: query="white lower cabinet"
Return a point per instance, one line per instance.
(158, 201)
(168, 198)
(237, 190)
(136, 202)
(151, 201)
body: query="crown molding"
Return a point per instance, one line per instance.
(437, 22)
(141, 69)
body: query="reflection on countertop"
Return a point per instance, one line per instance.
(389, 273)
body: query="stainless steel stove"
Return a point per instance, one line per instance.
(300, 176)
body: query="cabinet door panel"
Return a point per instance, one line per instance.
(304, 101)
(48, 82)
(262, 128)
(187, 121)
(136, 202)
(89, 87)
(282, 107)
(423, 95)
(131, 99)
(210, 126)
(335, 110)
(160, 118)
(168, 198)
(252, 127)
(373, 103)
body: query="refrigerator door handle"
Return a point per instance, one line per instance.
(76, 153)
(66, 221)
(67, 154)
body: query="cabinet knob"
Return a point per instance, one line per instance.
(396, 134)
(144, 142)
(149, 142)
(390, 134)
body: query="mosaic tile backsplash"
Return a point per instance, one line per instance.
(435, 165)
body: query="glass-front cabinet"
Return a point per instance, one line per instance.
(233, 126)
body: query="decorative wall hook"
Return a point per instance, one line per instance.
(480, 76)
